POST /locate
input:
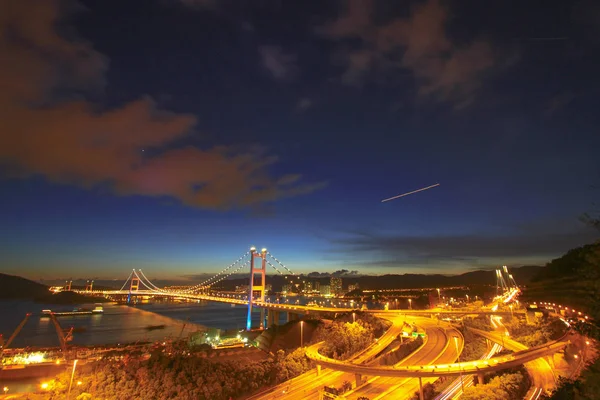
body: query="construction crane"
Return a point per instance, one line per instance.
(64, 336)
(14, 334)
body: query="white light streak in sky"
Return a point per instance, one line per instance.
(406, 194)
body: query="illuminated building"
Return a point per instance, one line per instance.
(336, 285)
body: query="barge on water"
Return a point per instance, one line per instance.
(76, 311)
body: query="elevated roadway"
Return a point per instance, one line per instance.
(438, 346)
(309, 384)
(468, 367)
(540, 370)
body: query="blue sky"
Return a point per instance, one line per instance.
(174, 136)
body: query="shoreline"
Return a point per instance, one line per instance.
(190, 327)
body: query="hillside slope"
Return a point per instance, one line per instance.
(15, 287)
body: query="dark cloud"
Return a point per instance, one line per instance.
(304, 104)
(339, 273)
(48, 130)
(376, 250)
(281, 65)
(443, 70)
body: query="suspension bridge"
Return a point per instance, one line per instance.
(256, 262)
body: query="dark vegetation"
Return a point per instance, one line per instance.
(509, 385)
(575, 281)
(176, 377)
(573, 278)
(343, 337)
(535, 335)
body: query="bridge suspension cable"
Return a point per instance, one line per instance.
(245, 264)
(148, 283)
(127, 280)
(206, 282)
(282, 265)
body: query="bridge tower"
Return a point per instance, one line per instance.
(134, 284)
(68, 285)
(262, 270)
(89, 285)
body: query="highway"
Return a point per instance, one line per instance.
(438, 347)
(308, 385)
(539, 370)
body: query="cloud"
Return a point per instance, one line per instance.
(559, 102)
(304, 104)
(49, 129)
(281, 66)
(462, 250)
(443, 70)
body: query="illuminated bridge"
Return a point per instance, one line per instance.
(137, 284)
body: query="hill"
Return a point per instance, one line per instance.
(571, 279)
(15, 287)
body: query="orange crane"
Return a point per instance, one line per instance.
(14, 334)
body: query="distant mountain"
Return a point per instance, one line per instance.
(523, 275)
(15, 287)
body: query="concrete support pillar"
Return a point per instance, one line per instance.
(358, 379)
(287, 317)
(550, 360)
(480, 378)
(318, 369)
(262, 318)
(276, 317)
(421, 397)
(269, 318)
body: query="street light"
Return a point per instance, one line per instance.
(71, 382)
(459, 368)
(439, 296)
(5, 389)
(301, 333)
(410, 303)
(353, 317)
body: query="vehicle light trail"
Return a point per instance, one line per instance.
(406, 194)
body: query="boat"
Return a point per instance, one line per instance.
(98, 309)
(155, 327)
(76, 311)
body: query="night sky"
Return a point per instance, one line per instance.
(173, 135)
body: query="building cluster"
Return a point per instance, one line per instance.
(316, 288)
(308, 287)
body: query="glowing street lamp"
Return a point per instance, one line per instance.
(410, 303)
(301, 333)
(5, 389)
(353, 317)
